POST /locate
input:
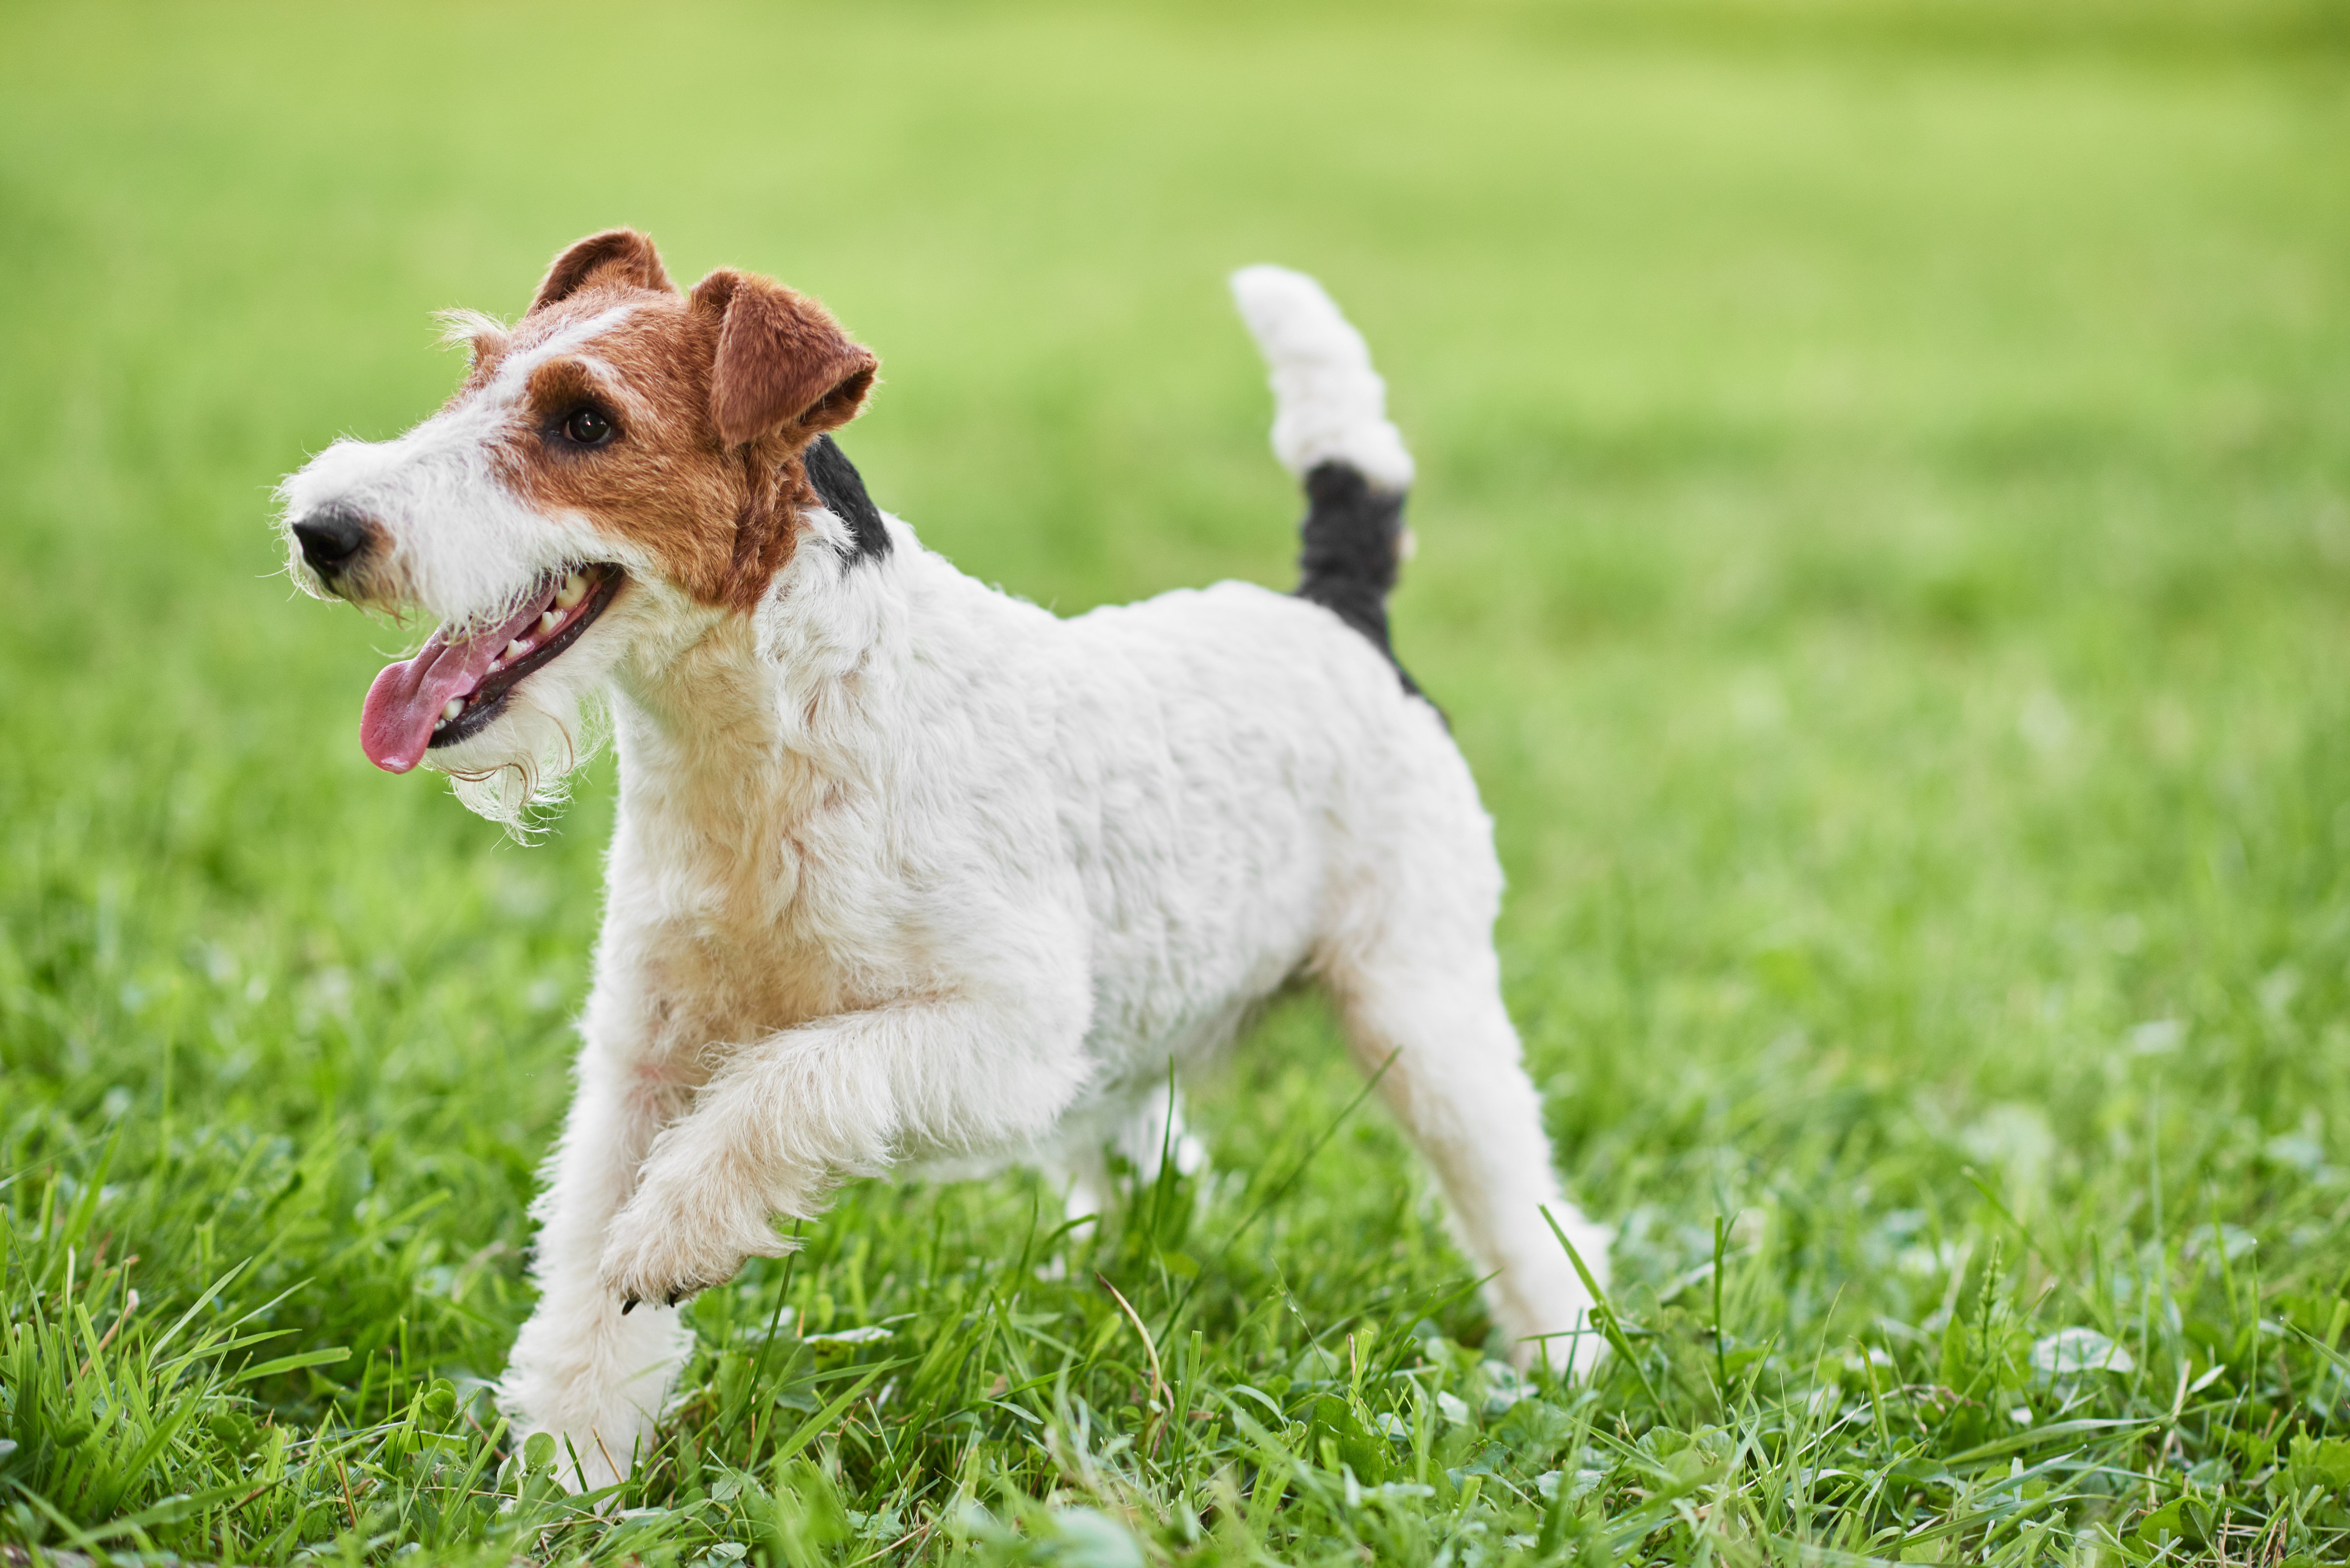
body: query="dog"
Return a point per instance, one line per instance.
(908, 872)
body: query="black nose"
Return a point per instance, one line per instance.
(331, 538)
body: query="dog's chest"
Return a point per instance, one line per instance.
(713, 941)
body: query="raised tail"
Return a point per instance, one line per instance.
(1330, 429)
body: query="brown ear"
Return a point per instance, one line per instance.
(615, 255)
(782, 361)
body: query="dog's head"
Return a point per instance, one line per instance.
(622, 463)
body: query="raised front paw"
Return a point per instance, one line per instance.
(671, 1243)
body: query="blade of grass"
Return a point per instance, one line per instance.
(1608, 1324)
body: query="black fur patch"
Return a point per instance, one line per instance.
(1347, 564)
(837, 480)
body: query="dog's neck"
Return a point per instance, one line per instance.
(772, 712)
(697, 715)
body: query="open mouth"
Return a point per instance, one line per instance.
(455, 687)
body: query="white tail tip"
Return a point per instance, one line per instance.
(1329, 405)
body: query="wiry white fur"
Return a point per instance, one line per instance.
(907, 871)
(1329, 405)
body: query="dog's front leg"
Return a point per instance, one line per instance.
(788, 1118)
(581, 1372)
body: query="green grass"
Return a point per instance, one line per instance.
(1885, 525)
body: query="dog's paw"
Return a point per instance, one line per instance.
(667, 1249)
(664, 1269)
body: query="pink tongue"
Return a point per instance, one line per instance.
(406, 700)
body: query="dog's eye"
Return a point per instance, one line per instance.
(589, 427)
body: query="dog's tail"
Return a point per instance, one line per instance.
(1330, 429)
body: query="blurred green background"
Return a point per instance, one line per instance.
(1885, 524)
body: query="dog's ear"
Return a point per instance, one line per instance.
(615, 255)
(783, 362)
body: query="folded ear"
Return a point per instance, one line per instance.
(782, 360)
(615, 255)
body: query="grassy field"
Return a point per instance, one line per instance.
(1886, 549)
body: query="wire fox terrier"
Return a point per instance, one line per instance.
(907, 871)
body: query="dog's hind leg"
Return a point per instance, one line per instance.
(581, 1371)
(1411, 964)
(1429, 1011)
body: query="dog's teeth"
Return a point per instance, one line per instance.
(456, 706)
(574, 589)
(548, 620)
(516, 649)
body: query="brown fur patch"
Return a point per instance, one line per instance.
(718, 507)
(565, 386)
